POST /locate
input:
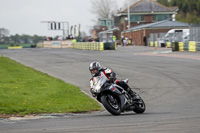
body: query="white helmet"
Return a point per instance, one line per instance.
(94, 68)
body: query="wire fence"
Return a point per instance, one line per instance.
(195, 32)
(194, 35)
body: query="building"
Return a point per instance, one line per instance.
(144, 12)
(143, 34)
(103, 24)
(98, 29)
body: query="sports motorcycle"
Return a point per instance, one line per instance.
(114, 98)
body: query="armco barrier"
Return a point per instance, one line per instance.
(99, 46)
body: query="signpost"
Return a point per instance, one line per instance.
(53, 25)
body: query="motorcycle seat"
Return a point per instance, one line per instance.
(125, 80)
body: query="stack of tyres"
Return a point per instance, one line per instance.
(152, 44)
(156, 44)
(192, 46)
(169, 44)
(181, 46)
(175, 46)
(109, 46)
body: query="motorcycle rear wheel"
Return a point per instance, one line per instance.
(112, 105)
(140, 106)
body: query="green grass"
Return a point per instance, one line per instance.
(24, 90)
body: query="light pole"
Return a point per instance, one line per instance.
(129, 23)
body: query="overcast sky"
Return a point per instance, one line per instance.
(25, 16)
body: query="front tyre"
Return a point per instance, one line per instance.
(111, 104)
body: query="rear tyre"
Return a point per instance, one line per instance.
(111, 104)
(140, 106)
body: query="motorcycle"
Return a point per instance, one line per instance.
(115, 99)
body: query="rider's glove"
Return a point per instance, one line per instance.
(112, 80)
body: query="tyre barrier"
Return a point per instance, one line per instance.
(156, 44)
(97, 46)
(151, 44)
(16, 47)
(192, 46)
(168, 44)
(189, 46)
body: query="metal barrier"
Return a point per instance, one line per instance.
(195, 32)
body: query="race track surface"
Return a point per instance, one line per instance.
(168, 82)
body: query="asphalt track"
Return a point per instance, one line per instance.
(169, 83)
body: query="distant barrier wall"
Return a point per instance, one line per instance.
(58, 44)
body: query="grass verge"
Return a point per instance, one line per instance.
(24, 90)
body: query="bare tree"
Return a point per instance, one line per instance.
(131, 2)
(103, 8)
(3, 32)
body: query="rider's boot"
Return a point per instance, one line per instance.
(133, 94)
(128, 89)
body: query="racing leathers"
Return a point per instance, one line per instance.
(111, 77)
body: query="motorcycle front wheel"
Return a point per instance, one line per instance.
(111, 104)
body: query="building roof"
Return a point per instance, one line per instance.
(108, 31)
(159, 24)
(144, 6)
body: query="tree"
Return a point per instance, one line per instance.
(37, 39)
(189, 10)
(15, 38)
(164, 2)
(103, 8)
(3, 33)
(131, 2)
(198, 6)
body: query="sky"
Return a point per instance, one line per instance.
(25, 16)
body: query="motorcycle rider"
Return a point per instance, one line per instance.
(95, 69)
